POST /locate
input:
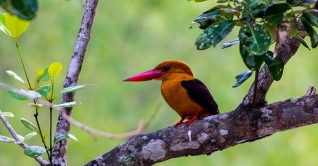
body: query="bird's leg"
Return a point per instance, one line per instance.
(192, 119)
(180, 121)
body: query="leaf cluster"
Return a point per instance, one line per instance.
(39, 91)
(43, 88)
(259, 22)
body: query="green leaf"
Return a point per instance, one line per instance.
(17, 96)
(73, 137)
(7, 139)
(293, 28)
(2, 18)
(228, 12)
(253, 10)
(36, 106)
(29, 136)
(214, 34)
(242, 77)
(65, 136)
(275, 66)
(43, 75)
(303, 42)
(34, 151)
(215, 15)
(15, 76)
(272, 28)
(311, 32)
(15, 25)
(252, 61)
(55, 69)
(254, 4)
(44, 135)
(25, 9)
(44, 90)
(274, 13)
(24, 95)
(3, 25)
(66, 105)
(29, 125)
(72, 88)
(7, 114)
(255, 38)
(207, 18)
(310, 18)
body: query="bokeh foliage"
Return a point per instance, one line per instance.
(132, 36)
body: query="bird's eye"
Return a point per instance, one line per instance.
(166, 68)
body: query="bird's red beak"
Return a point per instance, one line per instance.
(146, 76)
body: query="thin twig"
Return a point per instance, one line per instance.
(95, 132)
(51, 135)
(311, 90)
(20, 142)
(153, 115)
(41, 133)
(23, 66)
(85, 128)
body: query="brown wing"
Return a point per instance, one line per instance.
(199, 93)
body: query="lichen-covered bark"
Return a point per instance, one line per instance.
(213, 133)
(246, 123)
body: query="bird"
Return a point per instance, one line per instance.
(184, 93)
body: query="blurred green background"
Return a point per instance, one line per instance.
(131, 36)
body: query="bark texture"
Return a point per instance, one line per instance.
(213, 133)
(59, 156)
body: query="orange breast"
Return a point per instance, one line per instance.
(178, 99)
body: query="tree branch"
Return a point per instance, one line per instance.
(286, 50)
(218, 132)
(59, 156)
(213, 133)
(140, 128)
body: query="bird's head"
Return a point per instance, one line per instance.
(162, 70)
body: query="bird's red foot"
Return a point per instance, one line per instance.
(192, 119)
(180, 121)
